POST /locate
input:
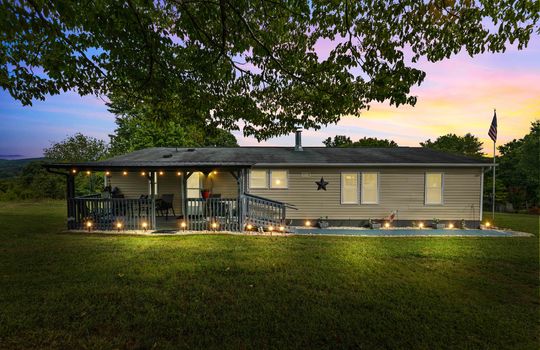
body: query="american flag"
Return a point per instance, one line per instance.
(493, 128)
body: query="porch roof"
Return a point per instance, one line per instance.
(245, 157)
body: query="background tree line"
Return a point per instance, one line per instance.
(518, 179)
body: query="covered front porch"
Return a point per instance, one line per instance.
(180, 198)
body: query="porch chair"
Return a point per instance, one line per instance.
(164, 204)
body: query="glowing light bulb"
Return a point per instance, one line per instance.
(124, 173)
(107, 173)
(387, 225)
(88, 172)
(183, 224)
(421, 225)
(450, 225)
(249, 227)
(270, 228)
(488, 224)
(214, 172)
(214, 225)
(143, 173)
(118, 225)
(74, 171)
(307, 223)
(144, 225)
(179, 173)
(161, 173)
(282, 228)
(89, 224)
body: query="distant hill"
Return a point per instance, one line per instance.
(11, 168)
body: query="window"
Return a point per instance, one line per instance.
(349, 188)
(370, 188)
(434, 186)
(258, 179)
(278, 179)
(194, 185)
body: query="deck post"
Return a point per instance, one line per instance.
(152, 179)
(70, 194)
(241, 190)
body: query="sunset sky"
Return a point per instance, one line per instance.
(457, 96)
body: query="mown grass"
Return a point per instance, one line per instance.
(218, 291)
(518, 222)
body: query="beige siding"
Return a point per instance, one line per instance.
(131, 185)
(168, 183)
(225, 184)
(400, 189)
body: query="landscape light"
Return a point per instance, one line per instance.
(214, 225)
(421, 225)
(270, 228)
(124, 173)
(450, 225)
(307, 223)
(488, 224)
(118, 226)
(249, 227)
(282, 228)
(183, 225)
(89, 225)
(144, 225)
(387, 225)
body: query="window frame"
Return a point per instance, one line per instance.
(362, 201)
(198, 189)
(426, 188)
(266, 182)
(341, 188)
(269, 177)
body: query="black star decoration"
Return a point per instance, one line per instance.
(321, 185)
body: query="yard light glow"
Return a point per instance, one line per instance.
(144, 225)
(143, 173)
(386, 224)
(124, 173)
(118, 226)
(450, 225)
(421, 225)
(161, 173)
(74, 171)
(270, 228)
(88, 172)
(214, 225)
(183, 225)
(488, 224)
(214, 172)
(89, 225)
(249, 227)
(282, 228)
(179, 173)
(107, 173)
(307, 223)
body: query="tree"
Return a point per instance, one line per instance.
(136, 132)
(251, 63)
(77, 148)
(468, 145)
(519, 169)
(345, 141)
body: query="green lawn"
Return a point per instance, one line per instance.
(517, 222)
(220, 291)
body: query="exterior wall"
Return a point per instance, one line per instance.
(225, 184)
(168, 183)
(400, 189)
(131, 185)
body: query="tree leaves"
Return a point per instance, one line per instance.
(264, 66)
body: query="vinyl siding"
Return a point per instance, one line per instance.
(225, 184)
(400, 189)
(167, 183)
(131, 185)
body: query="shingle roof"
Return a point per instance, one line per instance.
(284, 156)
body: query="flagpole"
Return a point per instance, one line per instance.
(493, 195)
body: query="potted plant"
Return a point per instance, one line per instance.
(206, 192)
(437, 224)
(323, 223)
(374, 225)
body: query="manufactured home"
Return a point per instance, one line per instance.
(276, 187)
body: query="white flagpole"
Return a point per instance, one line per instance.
(493, 198)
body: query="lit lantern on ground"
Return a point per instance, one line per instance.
(387, 224)
(183, 225)
(421, 225)
(214, 226)
(270, 228)
(450, 225)
(282, 228)
(145, 226)
(89, 225)
(119, 226)
(307, 223)
(249, 227)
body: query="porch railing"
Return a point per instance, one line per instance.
(263, 212)
(212, 214)
(107, 213)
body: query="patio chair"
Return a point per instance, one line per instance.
(164, 204)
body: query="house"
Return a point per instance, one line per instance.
(277, 187)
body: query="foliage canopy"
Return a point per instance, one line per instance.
(264, 66)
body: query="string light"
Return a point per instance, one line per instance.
(124, 173)
(88, 172)
(107, 173)
(74, 171)
(143, 173)
(214, 172)
(161, 173)
(179, 173)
